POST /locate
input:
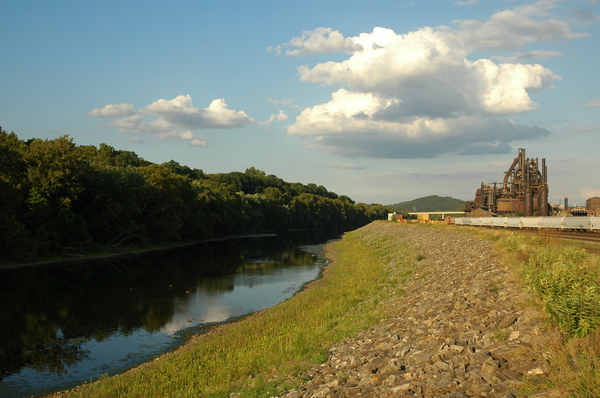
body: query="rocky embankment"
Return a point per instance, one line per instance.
(464, 328)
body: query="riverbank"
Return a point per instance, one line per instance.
(403, 310)
(125, 252)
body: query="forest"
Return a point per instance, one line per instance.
(59, 199)
(430, 203)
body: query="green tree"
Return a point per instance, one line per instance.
(221, 208)
(54, 175)
(176, 168)
(14, 238)
(110, 202)
(165, 204)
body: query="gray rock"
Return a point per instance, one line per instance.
(462, 329)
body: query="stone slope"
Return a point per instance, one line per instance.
(464, 328)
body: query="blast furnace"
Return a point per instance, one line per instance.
(524, 190)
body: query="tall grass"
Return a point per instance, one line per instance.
(567, 280)
(564, 276)
(264, 354)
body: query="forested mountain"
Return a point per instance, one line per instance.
(57, 197)
(430, 203)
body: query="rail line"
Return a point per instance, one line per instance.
(580, 229)
(591, 224)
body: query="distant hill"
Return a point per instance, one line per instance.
(430, 203)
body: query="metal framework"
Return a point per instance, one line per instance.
(524, 190)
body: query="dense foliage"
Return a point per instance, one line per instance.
(431, 203)
(57, 197)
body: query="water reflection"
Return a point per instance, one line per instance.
(67, 324)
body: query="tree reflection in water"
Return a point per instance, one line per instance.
(51, 311)
(54, 357)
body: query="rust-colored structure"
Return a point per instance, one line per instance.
(524, 190)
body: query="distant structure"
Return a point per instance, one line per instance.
(592, 205)
(524, 190)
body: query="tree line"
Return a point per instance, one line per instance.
(60, 198)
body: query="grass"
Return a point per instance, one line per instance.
(266, 353)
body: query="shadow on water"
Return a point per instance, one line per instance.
(51, 313)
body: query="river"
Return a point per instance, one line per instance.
(66, 324)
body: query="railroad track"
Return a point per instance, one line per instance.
(586, 237)
(590, 237)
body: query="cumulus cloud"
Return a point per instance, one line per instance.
(319, 40)
(173, 119)
(424, 93)
(423, 70)
(111, 111)
(361, 129)
(181, 112)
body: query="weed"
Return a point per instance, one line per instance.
(492, 288)
(566, 279)
(502, 334)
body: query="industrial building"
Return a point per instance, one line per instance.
(523, 191)
(592, 205)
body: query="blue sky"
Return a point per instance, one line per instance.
(382, 101)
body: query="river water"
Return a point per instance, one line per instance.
(64, 325)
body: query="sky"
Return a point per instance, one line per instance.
(382, 101)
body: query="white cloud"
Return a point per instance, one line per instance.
(512, 29)
(280, 117)
(319, 40)
(198, 142)
(176, 118)
(111, 111)
(359, 125)
(430, 74)
(593, 103)
(425, 92)
(181, 112)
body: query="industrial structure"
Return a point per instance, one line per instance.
(592, 205)
(524, 191)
